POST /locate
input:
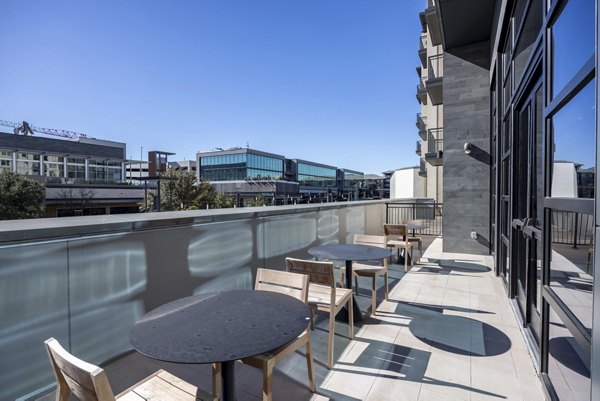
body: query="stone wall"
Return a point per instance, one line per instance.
(467, 177)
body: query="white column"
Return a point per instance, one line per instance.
(87, 167)
(14, 163)
(65, 174)
(42, 172)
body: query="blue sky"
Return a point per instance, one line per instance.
(331, 81)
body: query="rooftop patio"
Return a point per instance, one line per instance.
(446, 333)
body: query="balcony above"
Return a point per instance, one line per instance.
(422, 126)
(422, 169)
(423, 21)
(434, 83)
(421, 93)
(418, 149)
(435, 146)
(433, 23)
(419, 71)
(423, 49)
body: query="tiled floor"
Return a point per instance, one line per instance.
(446, 333)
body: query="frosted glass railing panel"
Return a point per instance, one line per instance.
(286, 235)
(33, 307)
(107, 275)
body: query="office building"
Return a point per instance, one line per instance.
(248, 173)
(82, 176)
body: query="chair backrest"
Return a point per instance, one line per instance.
(292, 284)
(85, 381)
(400, 230)
(379, 241)
(317, 272)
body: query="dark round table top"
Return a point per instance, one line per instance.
(417, 226)
(219, 326)
(349, 252)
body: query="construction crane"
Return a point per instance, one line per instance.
(26, 129)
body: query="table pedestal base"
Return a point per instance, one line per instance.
(228, 381)
(342, 315)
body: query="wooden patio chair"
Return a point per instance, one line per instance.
(89, 382)
(292, 284)
(414, 239)
(397, 238)
(323, 295)
(367, 270)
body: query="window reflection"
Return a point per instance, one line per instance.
(572, 41)
(574, 154)
(571, 262)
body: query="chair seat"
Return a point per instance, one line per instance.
(278, 353)
(162, 385)
(361, 269)
(414, 239)
(319, 294)
(398, 243)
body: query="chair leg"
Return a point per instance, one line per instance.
(312, 318)
(350, 318)
(412, 257)
(356, 284)
(267, 381)
(309, 364)
(385, 279)
(405, 259)
(331, 338)
(420, 250)
(374, 296)
(342, 276)
(216, 379)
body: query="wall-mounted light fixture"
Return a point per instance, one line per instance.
(468, 148)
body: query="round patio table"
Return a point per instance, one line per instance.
(349, 253)
(220, 327)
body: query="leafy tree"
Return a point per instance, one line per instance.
(181, 192)
(260, 200)
(20, 198)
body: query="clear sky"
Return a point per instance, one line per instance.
(331, 81)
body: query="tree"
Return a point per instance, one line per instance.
(20, 198)
(78, 199)
(260, 200)
(181, 192)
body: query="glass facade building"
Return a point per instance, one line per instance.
(315, 175)
(240, 166)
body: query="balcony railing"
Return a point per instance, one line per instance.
(420, 123)
(572, 228)
(421, 93)
(435, 66)
(427, 213)
(418, 149)
(422, 168)
(435, 140)
(85, 281)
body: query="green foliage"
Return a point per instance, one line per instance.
(260, 200)
(181, 192)
(20, 198)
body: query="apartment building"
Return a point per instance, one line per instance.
(519, 92)
(430, 121)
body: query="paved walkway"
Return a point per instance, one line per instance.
(447, 333)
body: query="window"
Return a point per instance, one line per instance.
(573, 36)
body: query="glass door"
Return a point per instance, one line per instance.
(527, 218)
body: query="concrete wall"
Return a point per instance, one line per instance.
(466, 177)
(407, 183)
